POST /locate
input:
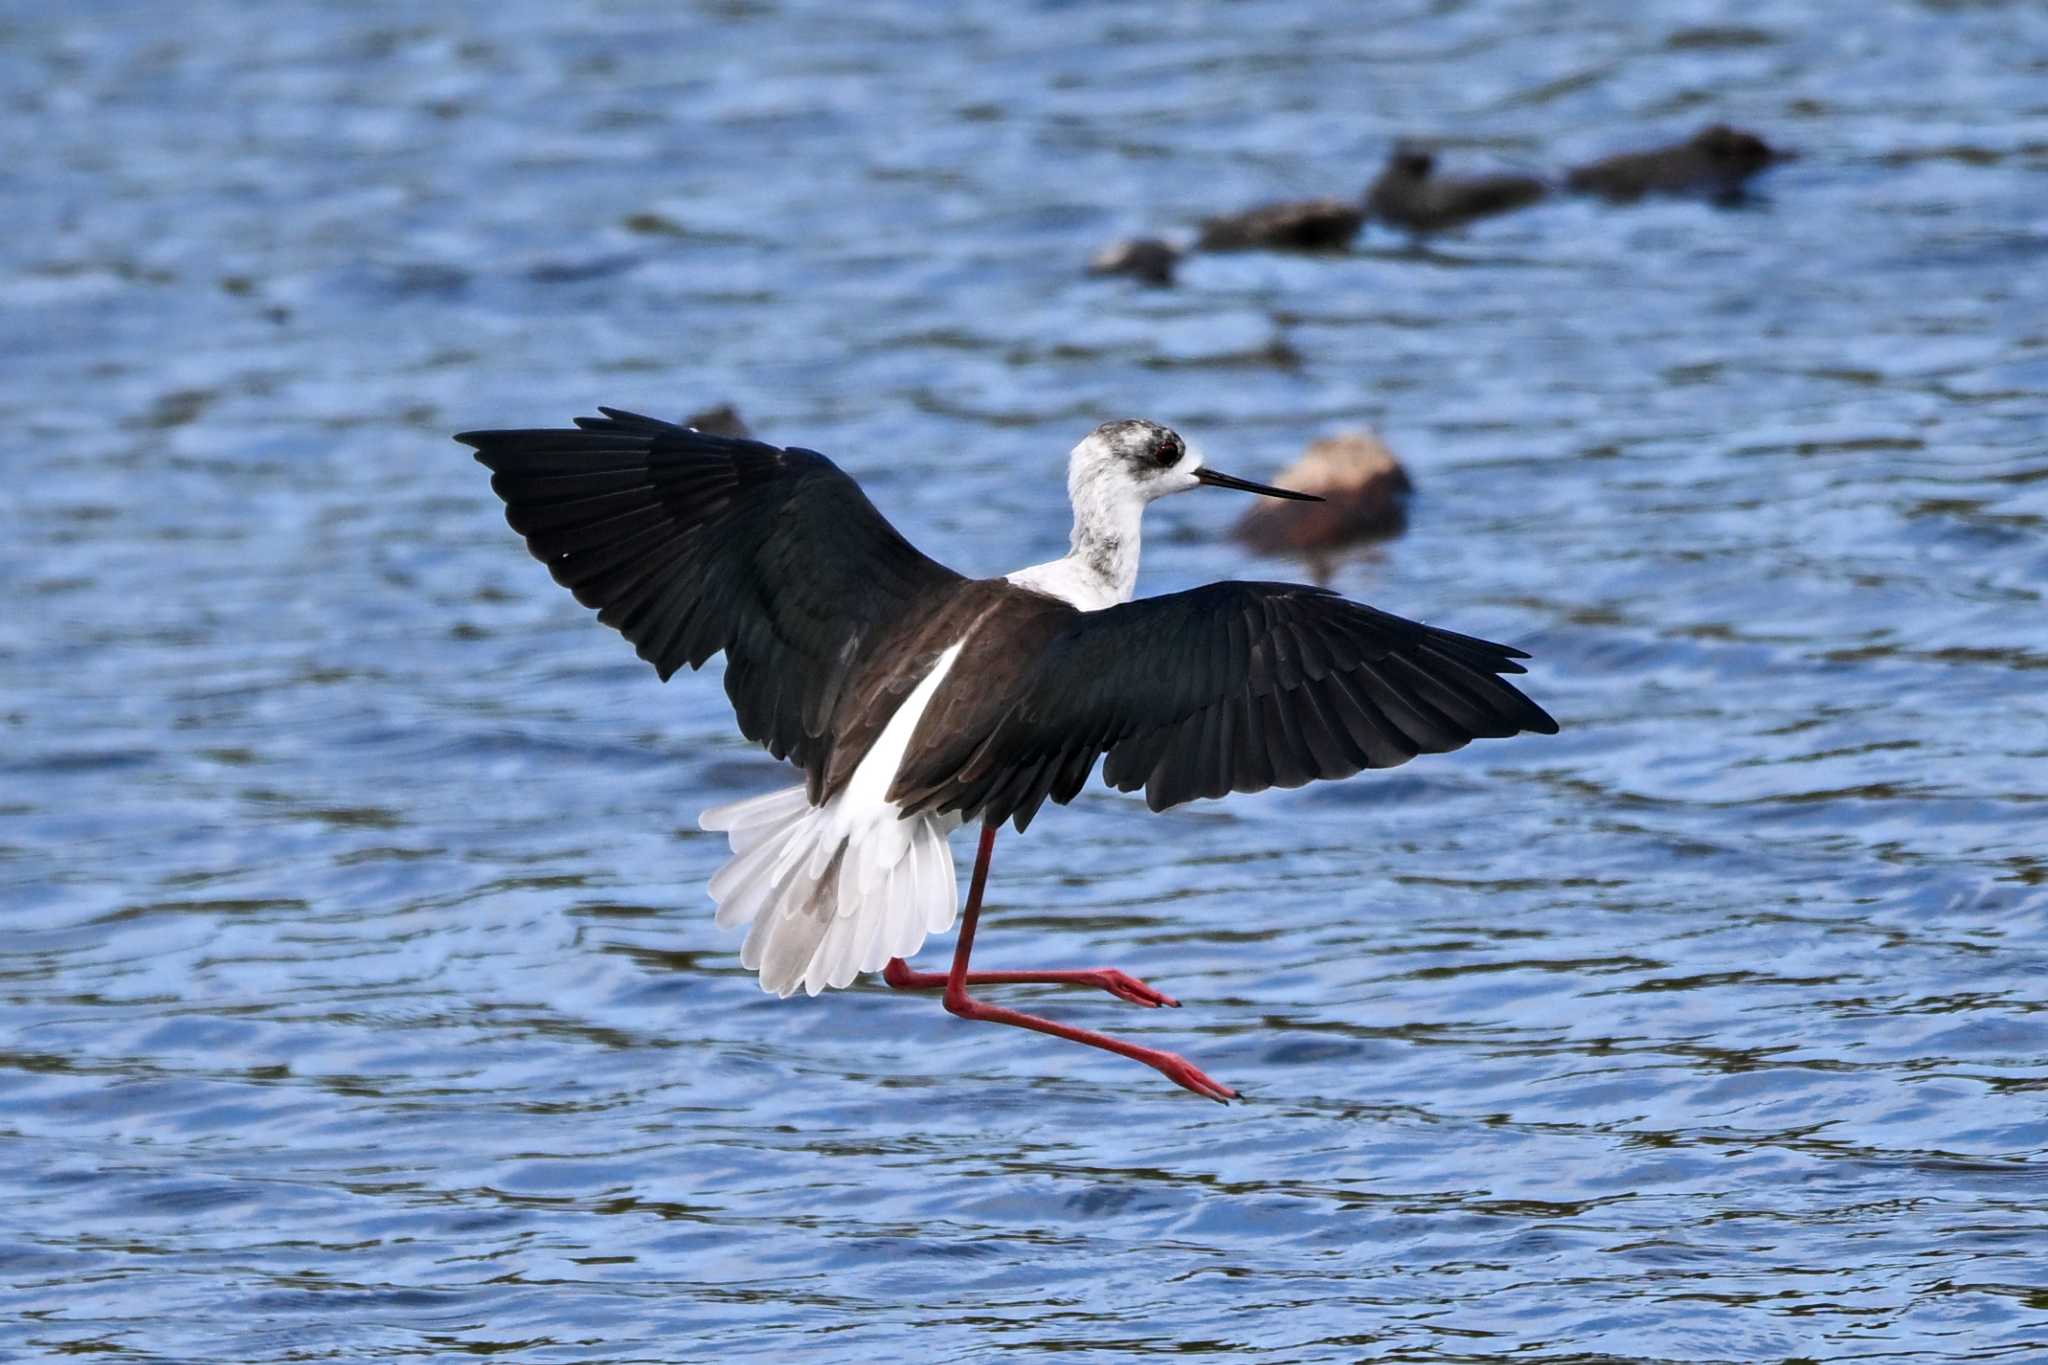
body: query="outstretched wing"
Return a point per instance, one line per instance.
(1229, 687)
(688, 544)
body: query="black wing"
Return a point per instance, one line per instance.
(1229, 687)
(688, 544)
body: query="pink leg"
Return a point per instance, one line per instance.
(1122, 985)
(1171, 1065)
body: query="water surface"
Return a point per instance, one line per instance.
(361, 998)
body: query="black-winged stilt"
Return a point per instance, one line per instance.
(916, 700)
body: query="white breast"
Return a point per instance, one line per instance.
(1070, 580)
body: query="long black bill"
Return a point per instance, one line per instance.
(1220, 480)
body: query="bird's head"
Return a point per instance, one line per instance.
(1139, 460)
(1411, 162)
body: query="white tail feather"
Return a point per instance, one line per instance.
(827, 898)
(834, 890)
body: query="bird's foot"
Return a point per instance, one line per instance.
(1124, 986)
(1188, 1076)
(1120, 984)
(1171, 1065)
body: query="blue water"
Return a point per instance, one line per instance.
(359, 996)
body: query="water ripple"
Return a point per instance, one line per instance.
(359, 990)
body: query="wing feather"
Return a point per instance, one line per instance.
(690, 544)
(1230, 687)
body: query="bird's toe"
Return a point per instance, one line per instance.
(1188, 1076)
(1124, 986)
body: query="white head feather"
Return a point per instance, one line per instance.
(1111, 475)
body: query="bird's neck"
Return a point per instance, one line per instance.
(1105, 546)
(1101, 566)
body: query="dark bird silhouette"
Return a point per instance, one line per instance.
(723, 420)
(1408, 195)
(1411, 195)
(1150, 260)
(1715, 163)
(1292, 225)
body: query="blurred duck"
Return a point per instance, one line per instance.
(1409, 193)
(1150, 260)
(1365, 495)
(1714, 163)
(723, 420)
(1292, 225)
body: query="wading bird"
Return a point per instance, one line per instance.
(916, 700)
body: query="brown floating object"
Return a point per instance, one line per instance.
(1292, 225)
(723, 420)
(1151, 260)
(1365, 495)
(1714, 163)
(1410, 194)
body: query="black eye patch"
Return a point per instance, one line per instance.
(1168, 452)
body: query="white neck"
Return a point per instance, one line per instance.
(1101, 570)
